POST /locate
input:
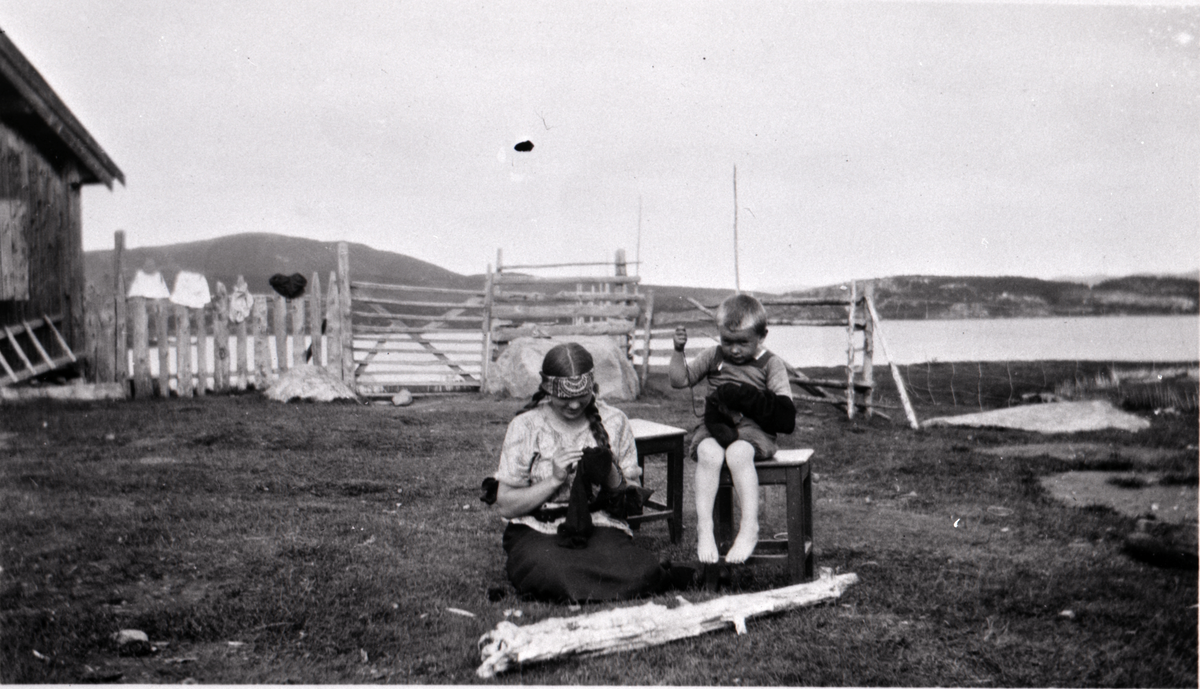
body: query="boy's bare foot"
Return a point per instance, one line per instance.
(706, 549)
(743, 546)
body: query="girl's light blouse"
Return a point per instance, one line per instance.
(533, 438)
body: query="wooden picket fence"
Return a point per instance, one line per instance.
(161, 349)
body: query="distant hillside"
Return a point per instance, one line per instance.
(941, 297)
(259, 256)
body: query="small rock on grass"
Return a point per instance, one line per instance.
(132, 642)
(402, 398)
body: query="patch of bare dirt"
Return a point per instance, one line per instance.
(1085, 453)
(1133, 495)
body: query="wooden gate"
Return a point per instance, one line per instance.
(522, 304)
(422, 339)
(427, 339)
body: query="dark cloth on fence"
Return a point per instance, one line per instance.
(611, 567)
(289, 286)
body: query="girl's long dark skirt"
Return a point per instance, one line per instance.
(611, 567)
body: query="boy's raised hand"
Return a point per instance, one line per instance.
(680, 339)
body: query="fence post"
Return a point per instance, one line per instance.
(221, 340)
(908, 408)
(262, 351)
(868, 367)
(486, 326)
(646, 347)
(343, 265)
(333, 316)
(162, 329)
(202, 351)
(850, 350)
(243, 373)
(93, 341)
(183, 352)
(314, 318)
(121, 370)
(106, 351)
(280, 319)
(297, 305)
(141, 349)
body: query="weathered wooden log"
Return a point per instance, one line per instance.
(623, 629)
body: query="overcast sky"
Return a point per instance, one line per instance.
(870, 139)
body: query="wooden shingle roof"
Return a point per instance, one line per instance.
(30, 106)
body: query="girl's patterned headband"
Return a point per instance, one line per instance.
(568, 386)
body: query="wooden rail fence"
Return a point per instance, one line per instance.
(383, 337)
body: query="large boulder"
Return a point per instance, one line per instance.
(517, 371)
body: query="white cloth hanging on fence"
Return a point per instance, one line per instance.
(240, 302)
(191, 290)
(149, 285)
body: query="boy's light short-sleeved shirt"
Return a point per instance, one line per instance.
(765, 372)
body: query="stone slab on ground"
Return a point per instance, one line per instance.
(517, 371)
(1059, 417)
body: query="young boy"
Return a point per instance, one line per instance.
(750, 400)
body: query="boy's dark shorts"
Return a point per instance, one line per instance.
(763, 442)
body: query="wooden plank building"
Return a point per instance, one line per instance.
(46, 156)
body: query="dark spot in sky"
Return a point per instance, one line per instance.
(524, 146)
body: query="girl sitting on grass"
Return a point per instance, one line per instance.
(561, 486)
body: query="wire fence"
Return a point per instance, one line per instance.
(994, 384)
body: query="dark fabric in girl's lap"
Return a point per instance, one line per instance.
(611, 567)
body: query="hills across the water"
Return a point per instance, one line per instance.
(258, 256)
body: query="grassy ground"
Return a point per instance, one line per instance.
(260, 542)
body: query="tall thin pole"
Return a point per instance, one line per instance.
(637, 257)
(737, 276)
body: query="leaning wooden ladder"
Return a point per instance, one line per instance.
(26, 332)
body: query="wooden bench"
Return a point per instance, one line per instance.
(790, 468)
(654, 439)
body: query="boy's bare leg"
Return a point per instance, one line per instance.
(740, 458)
(710, 456)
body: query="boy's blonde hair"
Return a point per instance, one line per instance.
(743, 312)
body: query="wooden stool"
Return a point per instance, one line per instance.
(789, 468)
(654, 439)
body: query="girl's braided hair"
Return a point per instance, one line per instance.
(572, 359)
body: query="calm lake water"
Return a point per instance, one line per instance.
(1102, 338)
(1112, 338)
